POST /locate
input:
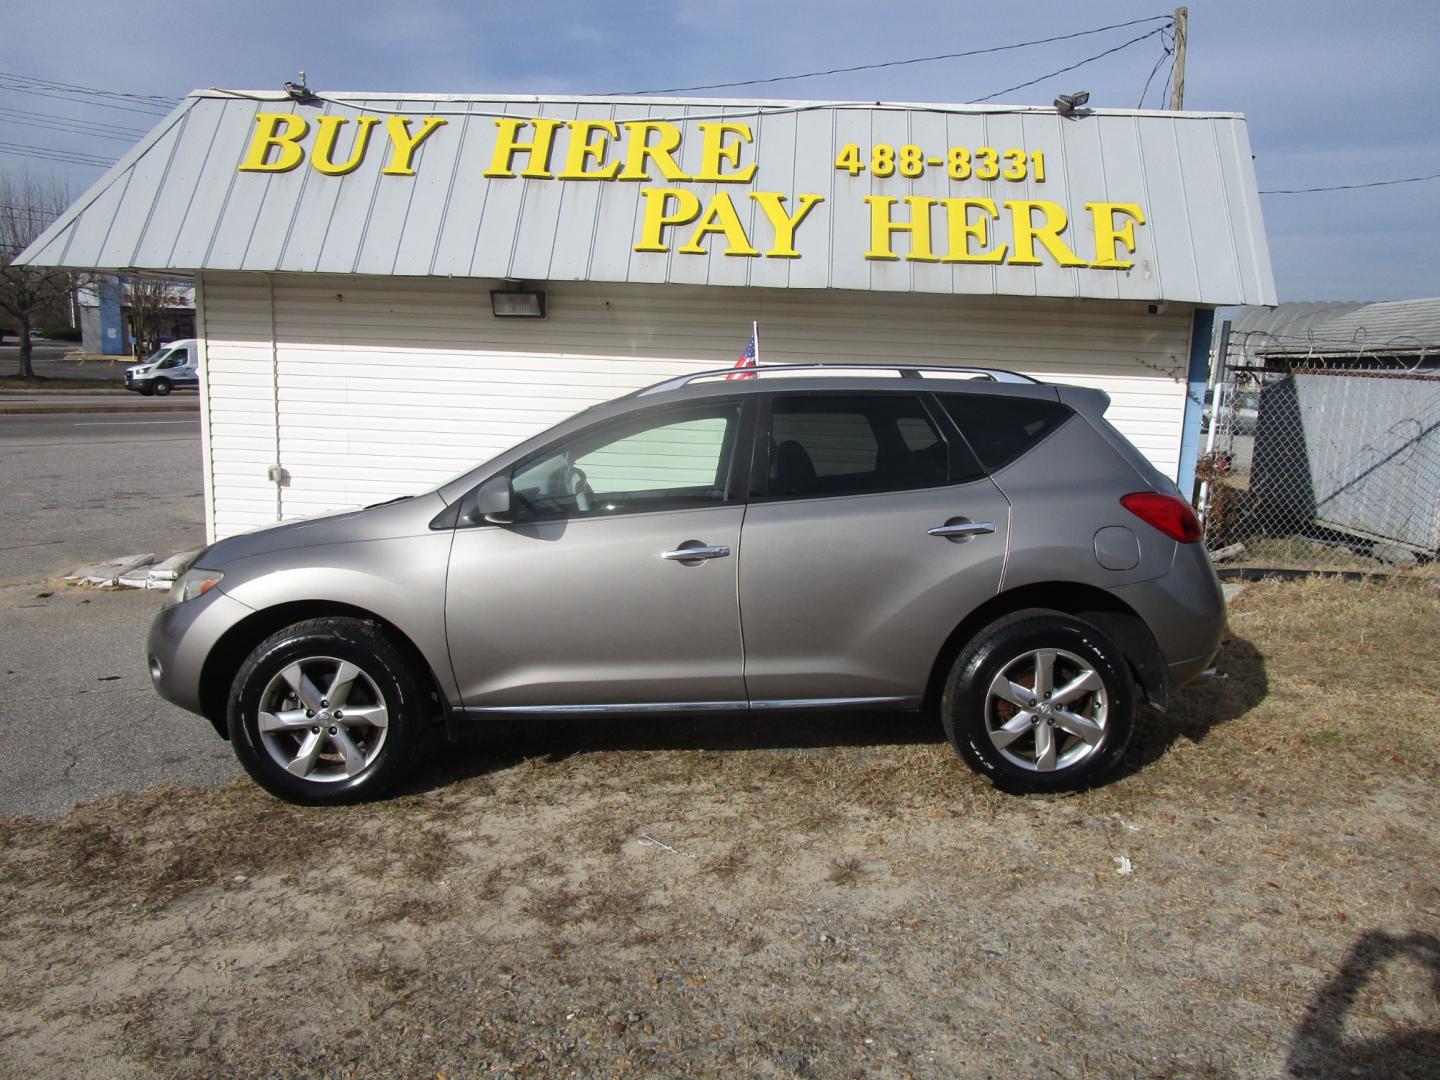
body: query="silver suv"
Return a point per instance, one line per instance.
(821, 537)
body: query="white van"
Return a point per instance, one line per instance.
(174, 365)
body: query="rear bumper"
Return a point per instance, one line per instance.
(1185, 610)
(1194, 671)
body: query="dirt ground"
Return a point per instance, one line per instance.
(1257, 895)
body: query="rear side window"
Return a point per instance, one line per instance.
(848, 444)
(1000, 429)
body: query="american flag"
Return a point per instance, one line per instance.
(748, 359)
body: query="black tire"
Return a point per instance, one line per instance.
(162, 386)
(387, 681)
(1011, 644)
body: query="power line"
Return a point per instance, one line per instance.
(1164, 52)
(1169, 78)
(1072, 67)
(144, 111)
(1350, 187)
(32, 211)
(51, 84)
(895, 63)
(73, 157)
(57, 118)
(66, 130)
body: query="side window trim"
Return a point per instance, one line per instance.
(965, 464)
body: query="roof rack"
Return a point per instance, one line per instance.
(908, 371)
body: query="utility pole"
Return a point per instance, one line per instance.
(1177, 73)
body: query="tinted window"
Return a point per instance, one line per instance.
(1000, 429)
(667, 461)
(842, 444)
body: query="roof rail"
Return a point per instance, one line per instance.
(912, 371)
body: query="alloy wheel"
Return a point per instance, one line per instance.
(323, 719)
(1046, 710)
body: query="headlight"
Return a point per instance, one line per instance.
(194, 582)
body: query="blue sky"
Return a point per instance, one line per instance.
(1335, 92)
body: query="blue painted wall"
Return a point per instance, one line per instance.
(1198, 375)
(113, 340)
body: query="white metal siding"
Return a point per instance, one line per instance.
(390, 386)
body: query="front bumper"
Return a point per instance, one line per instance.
(181, 640)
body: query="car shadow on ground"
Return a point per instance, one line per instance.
(1324, 1050)
(1195, 711)
(494, 744)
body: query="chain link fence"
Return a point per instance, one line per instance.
(1322, 455)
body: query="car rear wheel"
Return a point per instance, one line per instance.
(1040, 701)
(162, 386)
(326, 711)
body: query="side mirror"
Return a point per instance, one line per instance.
(489, 502)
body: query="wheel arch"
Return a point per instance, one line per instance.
(220, 667)
(1100, 608)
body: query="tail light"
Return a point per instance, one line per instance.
(1171, 514)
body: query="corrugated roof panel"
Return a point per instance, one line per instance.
(207, 203)
(1398, 322)
(171, 202)
(536, 233)
(814, 172)
(999, 133)
(178, 202)
(1243, 207)
(135, 210)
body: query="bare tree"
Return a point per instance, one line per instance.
(150, 297)
(28, 204)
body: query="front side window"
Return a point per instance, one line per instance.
(676, 459)
(846, 444)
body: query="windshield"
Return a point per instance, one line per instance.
(157, 355)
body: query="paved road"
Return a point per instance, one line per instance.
(77, 488)
(116, 400)
(77, 715)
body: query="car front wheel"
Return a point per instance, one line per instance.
(326, 711)
(1040, 701)
(162, 386)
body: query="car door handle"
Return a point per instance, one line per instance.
(962, 529)
(696, 553)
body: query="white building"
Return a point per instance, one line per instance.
(346, 253)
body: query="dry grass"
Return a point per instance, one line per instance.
(825, 896)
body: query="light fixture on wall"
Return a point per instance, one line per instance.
(1072, 105)
(518, 303)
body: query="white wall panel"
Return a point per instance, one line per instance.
(385, 387)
